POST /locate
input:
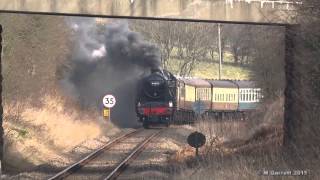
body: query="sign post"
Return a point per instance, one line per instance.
(106, 113)
(108, 102)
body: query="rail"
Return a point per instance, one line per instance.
(117, 170)
(74, 167)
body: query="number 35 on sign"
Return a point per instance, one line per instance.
(109, 101)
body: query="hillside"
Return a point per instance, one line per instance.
(210, 70)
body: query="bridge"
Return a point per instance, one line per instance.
(251, 11)
(276, 12)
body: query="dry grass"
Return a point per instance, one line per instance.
(243, 150)
(46, 133)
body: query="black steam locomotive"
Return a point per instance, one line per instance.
(156, 98)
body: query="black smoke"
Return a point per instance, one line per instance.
(108, 59)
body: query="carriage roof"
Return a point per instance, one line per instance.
(196, 82)
(245, 84)
(222, 83)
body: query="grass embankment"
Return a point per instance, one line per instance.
(210, 70)
(244, 150)
(46, 134)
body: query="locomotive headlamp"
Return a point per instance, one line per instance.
(170, 104)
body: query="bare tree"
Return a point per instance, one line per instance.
(188, 39)
(211, 40)
(239, 39)
(163, 33)
(191, 46)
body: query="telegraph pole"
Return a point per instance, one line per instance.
(220, 53)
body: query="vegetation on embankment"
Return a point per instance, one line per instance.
(41, 124)
(243, 150)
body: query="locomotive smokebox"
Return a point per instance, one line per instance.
(156, 95)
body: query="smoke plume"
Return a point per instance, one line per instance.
(108, 59)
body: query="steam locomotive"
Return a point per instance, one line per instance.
(163, 98)
(156, 98)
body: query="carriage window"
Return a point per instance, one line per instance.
(206, 94)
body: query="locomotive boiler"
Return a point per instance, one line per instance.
(156, 98)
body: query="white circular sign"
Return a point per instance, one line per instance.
(109, 101)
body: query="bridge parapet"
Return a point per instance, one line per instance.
(256, 11)
(280, 4)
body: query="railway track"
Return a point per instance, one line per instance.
(110, 160)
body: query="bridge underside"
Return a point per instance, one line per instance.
(254, 11)
(197, 10)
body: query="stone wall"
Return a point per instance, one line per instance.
(219, 10)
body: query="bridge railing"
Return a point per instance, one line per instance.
(273, 3)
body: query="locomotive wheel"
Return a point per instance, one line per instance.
(145, 125)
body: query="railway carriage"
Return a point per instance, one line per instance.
(192, 90)
(249, 95)
(189, 91)
(225, 95)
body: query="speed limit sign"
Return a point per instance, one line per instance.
(109, 101)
